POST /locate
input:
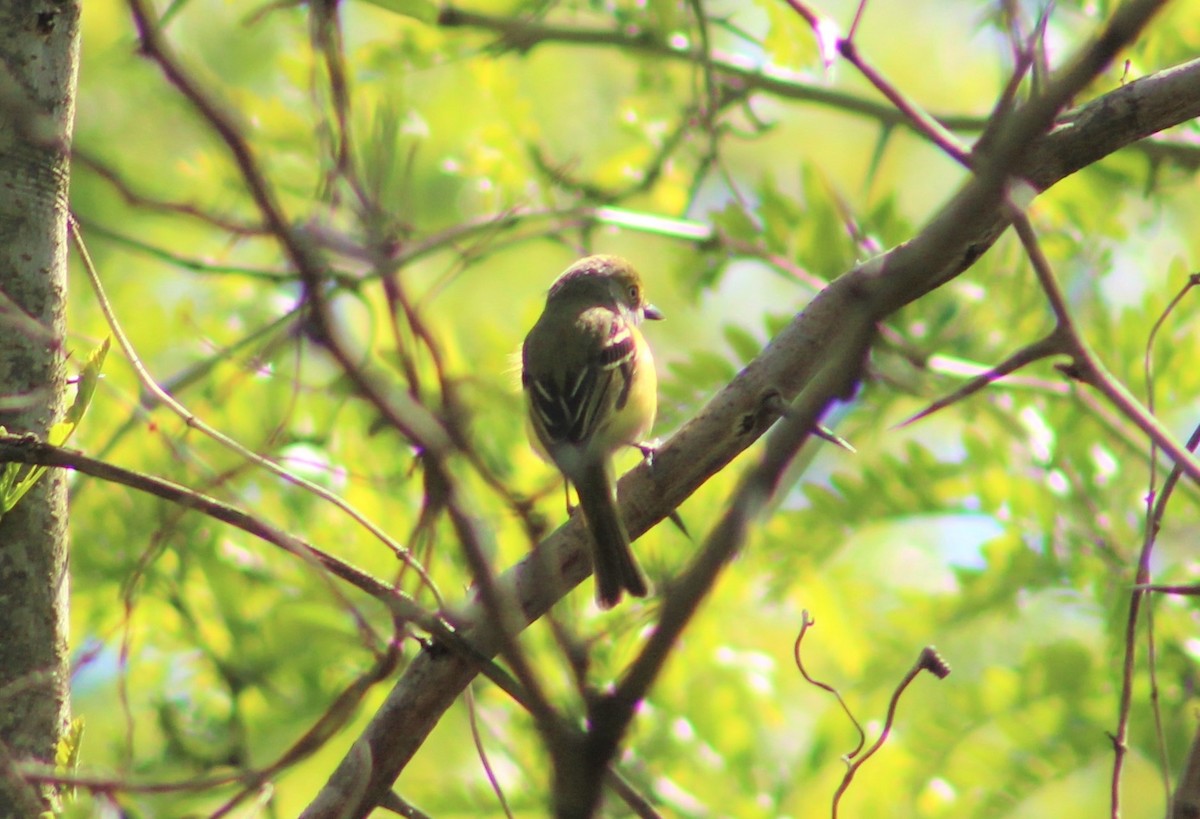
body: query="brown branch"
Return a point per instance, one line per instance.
(26, 449)
(916, 118)
(1051, 344)
(1186, 791)
(1087, 366)
(828, 329)
(403, 412)
(525, 34)
(81, 158)
(187, 263)
(930, 661)
(29, 450)
(411, 419)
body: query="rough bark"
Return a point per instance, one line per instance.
(39, 45)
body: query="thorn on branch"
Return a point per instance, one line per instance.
(826, 434)
(1073, 371)
(1056, 343)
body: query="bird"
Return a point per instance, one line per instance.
(590, 390)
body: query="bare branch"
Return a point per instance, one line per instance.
(832, 327)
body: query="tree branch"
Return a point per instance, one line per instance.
(843, 312)
(525, 34)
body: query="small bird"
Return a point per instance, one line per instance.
(590, 390)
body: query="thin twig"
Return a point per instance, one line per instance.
(19, 449)
(805, 623)
(148, 382)
(1051, 344)
(1088, 367)
(927, 661)
(473, 721)
(1154, 513)
(83, 159)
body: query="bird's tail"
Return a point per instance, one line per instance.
(615, 567)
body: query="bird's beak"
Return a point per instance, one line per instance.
(652, 312)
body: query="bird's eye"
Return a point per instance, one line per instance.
(633, 293)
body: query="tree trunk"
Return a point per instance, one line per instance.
(39, 49)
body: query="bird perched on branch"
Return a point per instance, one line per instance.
(590, 390)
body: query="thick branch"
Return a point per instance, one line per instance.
(736, 417)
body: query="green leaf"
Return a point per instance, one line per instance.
(745, 345)
(735, 223)
(13, 485)
(66, 752)
(88, 379)
(10, 488)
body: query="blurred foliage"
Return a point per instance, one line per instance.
(1005, 530)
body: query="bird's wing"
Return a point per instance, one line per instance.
(568, 409)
